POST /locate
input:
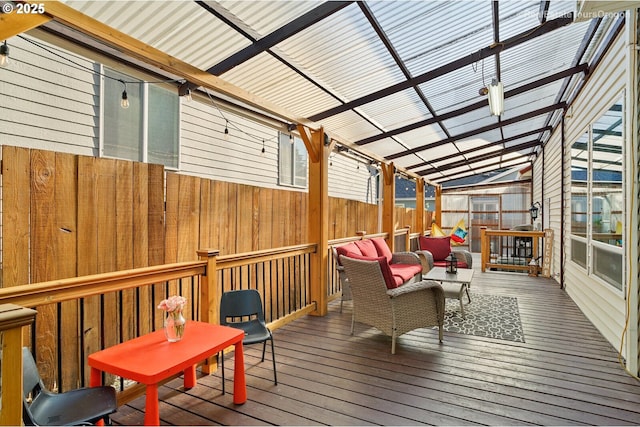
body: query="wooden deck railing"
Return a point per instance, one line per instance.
(513, 250)
(281, 275)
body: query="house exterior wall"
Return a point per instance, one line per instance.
(50, 99)
(601, 303)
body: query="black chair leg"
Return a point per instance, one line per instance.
(273, 357)
(221, 357)
(264, 346)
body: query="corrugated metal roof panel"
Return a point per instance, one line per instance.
(345, 54)
(412, 27)
(179, 28)
(460, 87)
(264, 17)
(397, 110)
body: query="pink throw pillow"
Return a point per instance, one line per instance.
(440, 247)
(346, 249)
(384, 267)
(367, 248)
(382, 248)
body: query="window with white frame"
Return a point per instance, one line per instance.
(292, 162)
(597, 198)
(146, 131)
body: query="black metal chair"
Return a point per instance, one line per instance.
(242, 309)
(83, 406)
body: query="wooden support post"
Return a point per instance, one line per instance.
(210, 294)
(388, 202)
(12, 319)
(438, 218)
(485, 248)
(419, 222)
(318, 226)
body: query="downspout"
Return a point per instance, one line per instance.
(562, 198)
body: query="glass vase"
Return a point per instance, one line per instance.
(174, 325)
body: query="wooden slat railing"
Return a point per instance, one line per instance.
(511, 250)
(281, 275)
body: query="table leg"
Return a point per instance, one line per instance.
(152, 409)
(95, 380)
(239, 381)
(460, 295)
(190, 379)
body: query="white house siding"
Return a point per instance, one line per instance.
(205, 151)
(350, 179)
(239, 158)
(601, 303)
(47, 102)
(550, 163)
(50, 103)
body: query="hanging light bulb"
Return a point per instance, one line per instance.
(187, 96)
(226, 130)
(291, 138)
(124, 102)
(263, 149)
(4, 54)
(496, 97)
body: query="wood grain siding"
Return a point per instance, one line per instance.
(603, 305)
(48, 102)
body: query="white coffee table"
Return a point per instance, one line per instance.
(454, 285)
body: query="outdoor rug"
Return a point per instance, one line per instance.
(490, 316)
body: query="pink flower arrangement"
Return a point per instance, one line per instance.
(173, 303)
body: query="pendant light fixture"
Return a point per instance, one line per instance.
(496, 97)
(4, 54)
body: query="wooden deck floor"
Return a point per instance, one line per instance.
(564, 374)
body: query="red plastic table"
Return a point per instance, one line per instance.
(151, 358)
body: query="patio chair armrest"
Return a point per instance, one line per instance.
(464, 254)
(404, 258)
(426, 259)
(415, 287)
(425, 298)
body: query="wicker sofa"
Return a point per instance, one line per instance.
(392, 311)
(401, 267)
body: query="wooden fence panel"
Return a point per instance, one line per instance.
(125, 212)
(91, 215)
(66, 201)
(88, 251)
(16, 195)
(43, 253)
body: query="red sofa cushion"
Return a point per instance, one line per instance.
(440, 247)
(382, 248)
(390, 280)
(367, 248)
(405, 272)
(345, 249)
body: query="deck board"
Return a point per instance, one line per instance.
(565, 373)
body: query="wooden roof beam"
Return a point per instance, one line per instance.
(12, 24)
